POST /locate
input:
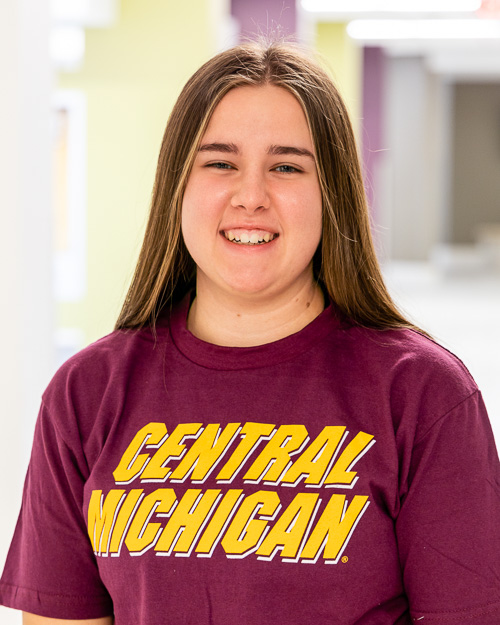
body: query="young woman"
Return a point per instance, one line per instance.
(264, 438)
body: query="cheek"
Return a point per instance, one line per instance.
(190, 224)
(202, 203)
(316, 216)
(315, 237)
(308, 219)
(199, 224)
(191, 233)
(193, 212)
(311, 229)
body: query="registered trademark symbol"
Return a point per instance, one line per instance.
(345, 559)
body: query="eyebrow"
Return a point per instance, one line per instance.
(229, 148)
(274, 150)
(280, 150)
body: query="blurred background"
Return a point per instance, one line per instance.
(86, 89)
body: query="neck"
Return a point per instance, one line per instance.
(245, 321)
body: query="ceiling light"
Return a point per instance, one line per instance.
(88, 13)
(67, 47)
(393, 6)
(376, 30)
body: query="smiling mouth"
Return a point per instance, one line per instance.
(249, 238)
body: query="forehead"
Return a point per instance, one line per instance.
(263, 112)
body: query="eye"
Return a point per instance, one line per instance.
(287, 169)
(219, 165)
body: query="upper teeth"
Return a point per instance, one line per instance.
(250, 239)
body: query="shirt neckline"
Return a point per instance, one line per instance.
(221, 357)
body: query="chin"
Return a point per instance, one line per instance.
(251, 289)
(249, 282)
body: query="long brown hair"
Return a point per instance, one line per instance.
(345, 262)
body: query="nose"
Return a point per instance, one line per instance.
(250, 192)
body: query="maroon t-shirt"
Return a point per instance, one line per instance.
(338, 476)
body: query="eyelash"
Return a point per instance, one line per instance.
(290, 169)
(219, 165)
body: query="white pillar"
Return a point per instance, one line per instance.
(26, 311)
(411, 211)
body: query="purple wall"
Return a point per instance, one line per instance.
(264, 17)
(372, 134)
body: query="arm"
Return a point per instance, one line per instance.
(33, 619)
(448, 525)
(54, 571)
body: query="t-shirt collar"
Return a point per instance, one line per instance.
(232, 358)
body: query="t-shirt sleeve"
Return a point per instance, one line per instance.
(448, 528)
(51, 569)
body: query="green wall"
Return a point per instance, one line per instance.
(131, 77)
(344, 60)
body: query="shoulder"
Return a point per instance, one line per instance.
(406, 354)
(420, 379)
(85, 378)
(90, 391)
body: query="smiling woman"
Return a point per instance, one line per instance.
(344, 262)
(261, 405)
